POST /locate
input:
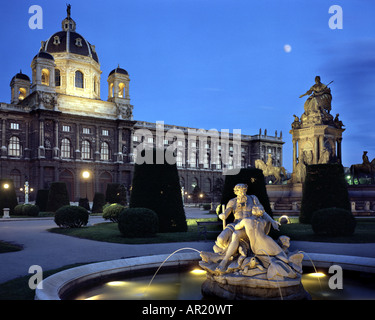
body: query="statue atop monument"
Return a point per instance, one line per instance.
(318, 104)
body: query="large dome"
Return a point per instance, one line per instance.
(68, 40)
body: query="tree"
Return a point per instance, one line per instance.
(157, 187)
(115, 193)
(324, 187)
(57, 196)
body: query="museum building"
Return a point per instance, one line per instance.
(56, 127)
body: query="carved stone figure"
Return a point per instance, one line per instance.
(318, 105)
(269, 170)
(246, 262)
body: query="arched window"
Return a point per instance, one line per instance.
(57, 78)
(79, 79)
(21, 93)
(86, 150)
(121, 90)
(14, 148)
(65, 148)
(104, 151)
(45, 77)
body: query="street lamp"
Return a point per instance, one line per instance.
(6, 210)
(86, 176)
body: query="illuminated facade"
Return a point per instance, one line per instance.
(56, 126)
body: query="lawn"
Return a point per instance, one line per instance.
(109, 232)
(365, 232)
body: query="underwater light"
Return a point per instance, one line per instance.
(198, 271)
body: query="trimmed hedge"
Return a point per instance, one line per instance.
(115, 193)
(71, 217)
(112, 212)
(254, 179)
(157, 187)
(57, 197)
(333, 222)
(84, 203)
(42, 199)
(138, 222)
(324, 187)
(98, 202)
(30, 210)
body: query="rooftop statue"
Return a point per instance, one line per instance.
(246, 261)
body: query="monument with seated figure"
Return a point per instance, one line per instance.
(246, 263)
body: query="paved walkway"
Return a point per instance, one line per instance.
(50, 250)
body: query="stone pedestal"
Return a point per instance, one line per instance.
(6, 213)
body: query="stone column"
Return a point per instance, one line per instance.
(294, 154)
(316, 151)
(4, 147)
(41, 151)
(56, 147)
(339, 150)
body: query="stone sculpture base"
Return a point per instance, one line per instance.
(231, 287)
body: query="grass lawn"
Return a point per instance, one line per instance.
(365, 232)
(9, 247)
(109, 232)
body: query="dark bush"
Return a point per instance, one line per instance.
(112, 212)
(18, 210)
(138, 222)
(42, 199)
(30, 210)
(115, 193)
(98, 202)
(71, 217)
(324, 187)
(57, 196)
(157, 187)
(84, 203)
(333, 222)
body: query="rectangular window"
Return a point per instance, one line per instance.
(86, 130)
(105, 132)
(14, 126)
(135, 138)
(66, 128)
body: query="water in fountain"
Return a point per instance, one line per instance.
(165, 260)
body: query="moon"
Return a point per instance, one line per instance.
(287, 48)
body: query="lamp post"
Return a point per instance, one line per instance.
(6, 210)
(86, 176)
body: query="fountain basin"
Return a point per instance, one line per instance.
(62, 284)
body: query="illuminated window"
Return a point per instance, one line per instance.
(21, 93)
(65, 148)
(121, 90)
(179, 159)
(14, 148)
(86, 130)
(79, 79)
(14, 126)
(86, 150)
(66, 128)
(105, 132)
(45, 77)
(104, 151)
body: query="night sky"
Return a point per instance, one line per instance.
(218, 64)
